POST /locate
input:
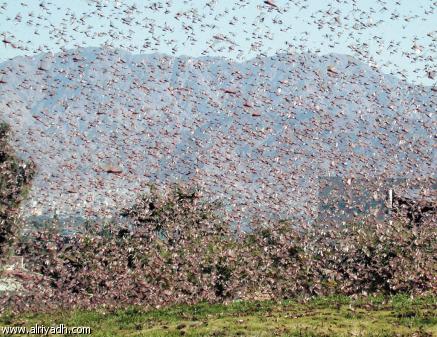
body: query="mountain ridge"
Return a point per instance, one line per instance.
(256, 133)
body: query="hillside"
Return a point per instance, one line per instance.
(99, 123)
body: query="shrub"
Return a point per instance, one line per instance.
(175, 249)
(15, 178)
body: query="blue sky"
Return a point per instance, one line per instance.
(398, 36)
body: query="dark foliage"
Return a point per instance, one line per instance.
(15, 178)
(175, 249)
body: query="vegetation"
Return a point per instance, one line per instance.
(176, 252)
(175, 249)
(399, 315)
(15, 178)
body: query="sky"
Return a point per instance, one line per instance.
(397, 36)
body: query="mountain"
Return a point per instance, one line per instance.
(100, 123)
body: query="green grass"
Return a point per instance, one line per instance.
(325, 316)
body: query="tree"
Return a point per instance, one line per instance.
(15, 179)
(174, 216)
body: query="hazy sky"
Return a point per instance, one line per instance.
(398, 36)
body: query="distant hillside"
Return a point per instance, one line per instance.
(99, 123)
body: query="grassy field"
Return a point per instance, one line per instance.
(327, 316)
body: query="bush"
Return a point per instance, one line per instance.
(175, 249)
(15, 178)
(386, 258)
